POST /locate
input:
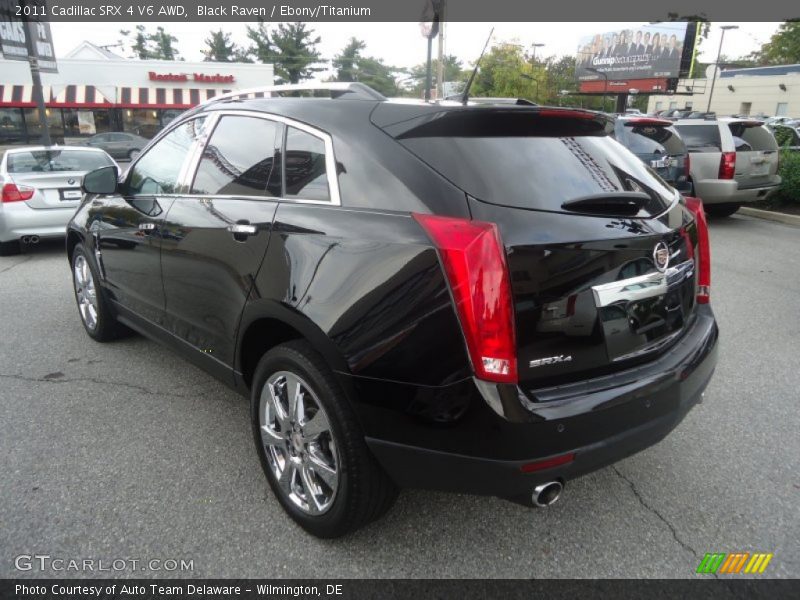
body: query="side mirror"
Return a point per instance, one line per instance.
(100, 181)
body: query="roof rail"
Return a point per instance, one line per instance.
(338, 89)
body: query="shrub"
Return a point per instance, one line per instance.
(789, 171)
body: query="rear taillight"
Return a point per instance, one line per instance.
(475, 265)
(727, 165)
(16, 193)
(703, 250)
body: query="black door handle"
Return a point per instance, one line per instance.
(241, 230)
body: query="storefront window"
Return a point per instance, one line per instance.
(141, 121)
(12, 130)
(86, 122)
(54, 123)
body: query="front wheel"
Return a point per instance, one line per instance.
(721, 210)
(94, 310)
(311, 447)
(133, 154)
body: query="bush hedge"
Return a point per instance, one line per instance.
(789, 170)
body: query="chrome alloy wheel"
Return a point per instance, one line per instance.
(85, 291)
(298, 442)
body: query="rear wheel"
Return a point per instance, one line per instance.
(94, 309)
(311, 447)
(133, 154)
(721, 210)
(9, 248)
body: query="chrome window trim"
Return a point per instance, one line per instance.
(214, 118)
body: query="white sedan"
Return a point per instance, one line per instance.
(41, 188)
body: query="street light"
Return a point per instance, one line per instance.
(535, 46)
(716, 65)
(605, 84)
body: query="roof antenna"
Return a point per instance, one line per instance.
(465, 95)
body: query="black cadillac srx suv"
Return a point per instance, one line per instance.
(488, 299)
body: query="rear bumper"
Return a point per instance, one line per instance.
(719, 191)
(18, 219)
(601, 421)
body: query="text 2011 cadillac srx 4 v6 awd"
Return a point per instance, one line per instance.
(488, 299)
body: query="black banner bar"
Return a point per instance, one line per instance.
(142, 11)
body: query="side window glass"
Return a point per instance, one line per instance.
(241, 159)
(158, 171)
(304, 166)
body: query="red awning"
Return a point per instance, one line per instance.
(157, 97)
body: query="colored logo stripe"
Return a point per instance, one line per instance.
(734, 562)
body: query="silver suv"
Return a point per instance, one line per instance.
(733, 161)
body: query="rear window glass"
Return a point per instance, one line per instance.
(41, 161)
(538, 172)
(701, 138)
(752, 138)
(649, 139)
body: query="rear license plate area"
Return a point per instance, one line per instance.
(70, 194)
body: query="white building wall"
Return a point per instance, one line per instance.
(763, 92)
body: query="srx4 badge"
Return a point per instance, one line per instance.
(551, 360)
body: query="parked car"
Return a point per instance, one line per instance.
(733, 161)
(657, 144)
(787, 137)
(118, 144)
(40, 190)
(372, 281)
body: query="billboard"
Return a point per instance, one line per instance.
(656, 51)
(13, 33)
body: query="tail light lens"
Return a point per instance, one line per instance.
(475, 265)
(727, 165)
(16, 193)
(703, 250)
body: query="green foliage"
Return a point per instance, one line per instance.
(453, 71)
(351, 65)
(783, 48)
(146, 46)
(345, 62)
(291, 47)
(220, 48)
(789, 192)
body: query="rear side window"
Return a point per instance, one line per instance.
(304, 164)
(701, 138)
(649, 139)
(242, 158)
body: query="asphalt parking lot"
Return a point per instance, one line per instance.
(125, 451)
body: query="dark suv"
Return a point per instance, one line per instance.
(482, 299)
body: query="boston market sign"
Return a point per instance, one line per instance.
(196, 77)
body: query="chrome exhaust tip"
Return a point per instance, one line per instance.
(34, 239)
(25, 239)
(547, 494)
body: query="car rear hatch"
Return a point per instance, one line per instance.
(756, 154)
(600, 252)
(657, 144)
(54, 175)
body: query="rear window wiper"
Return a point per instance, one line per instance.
(624, 204)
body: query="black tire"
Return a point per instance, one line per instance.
(133, 153)
(106, 327)
(10, 248)
(364, 492)
(719, 211)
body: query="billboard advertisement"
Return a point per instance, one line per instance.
(655, 51)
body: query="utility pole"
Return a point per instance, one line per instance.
(716, 64)
(31, 35)
(440, 63)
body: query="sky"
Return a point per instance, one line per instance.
(401, 45)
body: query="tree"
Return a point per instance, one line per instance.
(453, 71)
(291, 48)
(146, 46)
(350, 65)
(345, 62)
(506, 72)
(219, 47)
(783, 48)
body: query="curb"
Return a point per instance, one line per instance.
(769, 215)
